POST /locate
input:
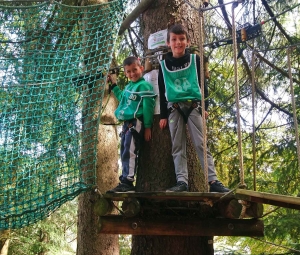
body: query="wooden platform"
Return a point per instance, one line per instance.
(268, 198)
(187, 213)
(163, 195)
(224, 205)
(177, 213)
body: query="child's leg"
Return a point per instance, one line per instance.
(195, 126)
(129, 152)
(178, 137)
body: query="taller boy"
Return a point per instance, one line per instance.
(180, 104)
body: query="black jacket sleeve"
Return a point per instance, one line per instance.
(162, 96)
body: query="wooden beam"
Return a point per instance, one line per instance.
(227, 205)
(268, 198)
(180, 226)
(163, 195)
(142, 6)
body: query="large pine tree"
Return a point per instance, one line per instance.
(156, 169)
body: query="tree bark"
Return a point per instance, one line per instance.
(156, 168)
(4, 241)
(89, 241)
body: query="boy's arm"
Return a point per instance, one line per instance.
(162, 90)
(148, 111)
(148, 103)
(117, 91)
(147, 134)
(112, 78)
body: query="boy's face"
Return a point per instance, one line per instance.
(133, 72)
(178, 43)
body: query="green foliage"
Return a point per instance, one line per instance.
(55, 235)
(125, 244)
(276, 162)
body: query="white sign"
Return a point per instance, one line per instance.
(152, 77)
(157, 39)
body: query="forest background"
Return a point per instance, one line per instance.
(276, 164)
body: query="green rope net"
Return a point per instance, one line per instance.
(53, 64)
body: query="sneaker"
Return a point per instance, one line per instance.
(179, 187)
(122, 187)
(218, 186)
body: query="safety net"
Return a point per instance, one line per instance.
(54, 60)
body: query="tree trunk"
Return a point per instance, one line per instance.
(89, 241)
(156, 168)
(4, 241)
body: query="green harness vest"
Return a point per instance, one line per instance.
(182, 85)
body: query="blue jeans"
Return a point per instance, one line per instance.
(130, 144)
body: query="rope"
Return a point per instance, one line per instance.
(253, 120)
(201, 53)
(293, 104)
(245, 205)
(237, 94)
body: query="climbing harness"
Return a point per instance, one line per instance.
(195, 105)
(131, 128)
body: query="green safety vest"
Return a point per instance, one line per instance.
(182, 85)
(131, 101)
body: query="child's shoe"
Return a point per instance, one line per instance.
(179, 187)
(122, 187)
(218, 186)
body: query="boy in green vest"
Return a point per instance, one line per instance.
(135, 109)
(180, 105)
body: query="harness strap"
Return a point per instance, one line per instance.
(131, 127)
(194, 105)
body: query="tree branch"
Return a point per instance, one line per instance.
(142, 6)
(275, 67)
(268, 9)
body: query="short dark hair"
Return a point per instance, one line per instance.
(130, 60)
(177, 29)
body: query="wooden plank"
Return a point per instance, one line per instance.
(226, 204)
(162, 195)
(268, 198)
(180, 226)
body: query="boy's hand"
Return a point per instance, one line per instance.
(147, 134)
(163, 123)
(112, 78)
(206, 114)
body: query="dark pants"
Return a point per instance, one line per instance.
(130, 144)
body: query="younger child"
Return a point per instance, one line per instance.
(180, 104)
(135, 109)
